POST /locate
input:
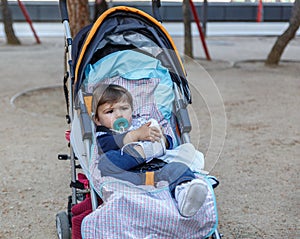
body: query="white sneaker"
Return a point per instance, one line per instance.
(190, 197)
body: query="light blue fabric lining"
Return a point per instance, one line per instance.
(213, 229)
(133, 65)
(215, 208)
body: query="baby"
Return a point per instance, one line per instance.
(126, 142)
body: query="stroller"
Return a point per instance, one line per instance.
(128, 47)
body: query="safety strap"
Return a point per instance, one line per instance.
(149, 178)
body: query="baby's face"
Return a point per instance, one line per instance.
(108, 113)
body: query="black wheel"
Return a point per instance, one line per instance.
(216, 235)
(63, 225)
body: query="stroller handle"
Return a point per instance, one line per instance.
(63, 10)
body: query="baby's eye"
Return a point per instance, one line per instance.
(125, 108)
(109, 112)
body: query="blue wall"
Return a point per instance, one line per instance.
(170, 11)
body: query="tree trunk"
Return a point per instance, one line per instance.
(100, 7)
(8, 25)
(79, 15)
(188, 44)
(283, 40)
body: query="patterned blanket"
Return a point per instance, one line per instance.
(136, 212)
(147, 214)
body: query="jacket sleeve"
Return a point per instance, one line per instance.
(170, 142)
(108, 142)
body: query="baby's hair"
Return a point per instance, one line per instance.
(110, 93)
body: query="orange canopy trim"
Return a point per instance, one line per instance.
(110, 11)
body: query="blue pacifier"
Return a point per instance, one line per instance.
(121, 124)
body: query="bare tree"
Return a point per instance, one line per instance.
(79, 15)
(8, 24)
(283, 40)
(100, 7)
(188, 45)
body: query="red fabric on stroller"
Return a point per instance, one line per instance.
(81, 210)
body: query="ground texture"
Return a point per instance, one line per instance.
(246, 119)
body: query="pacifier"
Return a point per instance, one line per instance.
(121, 124)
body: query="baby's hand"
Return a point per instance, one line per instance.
(149, 133)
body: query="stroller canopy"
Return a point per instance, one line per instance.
(122, 28)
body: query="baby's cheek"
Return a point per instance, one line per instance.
(130, 119)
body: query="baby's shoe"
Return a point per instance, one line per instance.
(190, 197)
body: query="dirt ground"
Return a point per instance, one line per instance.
(245, 116)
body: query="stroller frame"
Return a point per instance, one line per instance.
(63, 218)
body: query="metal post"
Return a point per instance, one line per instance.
(200, 30)
(204, 14)
(260, 12)
(27, 17)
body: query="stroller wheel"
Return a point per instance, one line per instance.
(63, 225)
(216, 235)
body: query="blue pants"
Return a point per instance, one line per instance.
(113, 164)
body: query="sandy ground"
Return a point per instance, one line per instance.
(245, 115)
